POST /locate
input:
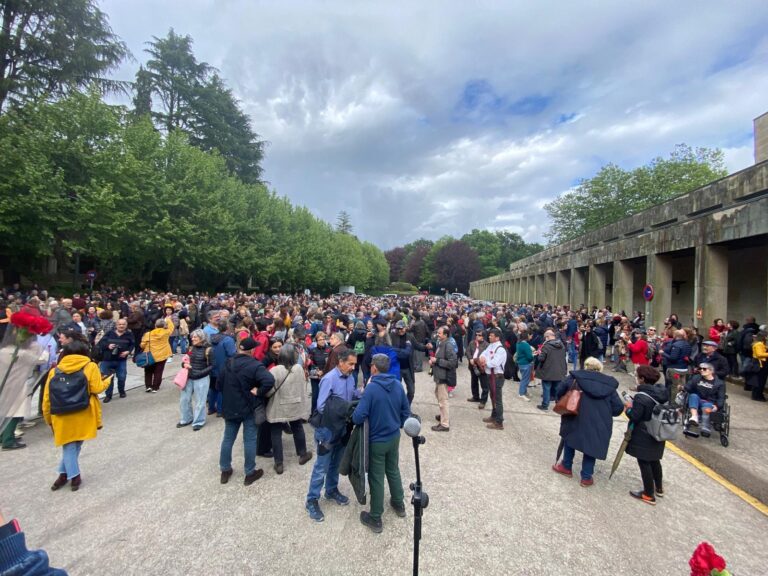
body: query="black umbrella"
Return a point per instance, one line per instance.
(622, 448)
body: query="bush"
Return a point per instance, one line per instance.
(402, 287)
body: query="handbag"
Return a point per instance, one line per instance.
(144, 359)
(749, 366)
(568, 405)
(181, 378)
(259, 413)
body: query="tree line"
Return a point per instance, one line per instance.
(451, 263)
(158, 192)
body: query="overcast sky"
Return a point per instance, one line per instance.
(429, 118)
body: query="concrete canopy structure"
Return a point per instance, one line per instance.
(704, 253)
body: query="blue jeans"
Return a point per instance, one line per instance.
(69, 455)
(694, 401)
(214, 397)
(326, 468)
(200, 390)
(525, 378)
(548, 388)
(250, 439)
(587, 463)
(120, 368)
(573, 354)
(182, 341)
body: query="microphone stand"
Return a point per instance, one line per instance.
(420, 500)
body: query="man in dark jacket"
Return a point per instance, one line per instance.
(710, 355)
(477, 376)
(444, 364)
(386, 407)
(403, 344)
(419, 330)
(590, 430)
(748, 332)
(115, 346)
(222, 348)
(244, 383)
(552, 366)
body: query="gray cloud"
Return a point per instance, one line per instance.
(433, 118)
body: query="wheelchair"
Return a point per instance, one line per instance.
(719, 421)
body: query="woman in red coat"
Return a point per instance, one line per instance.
(716, 330)
(638, 351)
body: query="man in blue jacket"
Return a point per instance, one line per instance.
(385, 406)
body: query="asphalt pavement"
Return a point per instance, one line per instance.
(151, 501)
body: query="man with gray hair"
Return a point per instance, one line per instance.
(552, 368)
(386, 407)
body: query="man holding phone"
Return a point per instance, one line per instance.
(115, 347)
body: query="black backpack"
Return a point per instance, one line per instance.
(68, 392)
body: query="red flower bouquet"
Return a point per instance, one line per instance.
(28, 324)
(706, 562)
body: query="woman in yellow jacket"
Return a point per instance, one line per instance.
(757, 380)
(72, 428)
(157, 342)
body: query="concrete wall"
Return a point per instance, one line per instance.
(761, 138)
(685, 248)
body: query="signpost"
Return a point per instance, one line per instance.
(648, 292)
(91, 275)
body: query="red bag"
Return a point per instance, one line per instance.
(568, 405)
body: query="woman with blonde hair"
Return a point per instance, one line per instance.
(589, 431)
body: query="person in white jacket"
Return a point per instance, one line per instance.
(492, 360)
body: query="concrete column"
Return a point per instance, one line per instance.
(660, 277)
(562, 295)
(538, 289)
(710, 285)
(623, 282)
(578, 287)
(550, 288)
(596, 295)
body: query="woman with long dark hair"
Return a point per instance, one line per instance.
(71, 427)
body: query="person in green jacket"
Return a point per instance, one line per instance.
(524, 359)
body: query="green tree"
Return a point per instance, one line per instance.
(344, 222)
(195, 99)
(487, 246)
(614, 193)
(514, 248)
(50, 47)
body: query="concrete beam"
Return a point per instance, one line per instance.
(550, 288)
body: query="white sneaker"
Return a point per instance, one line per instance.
(694, 419)
(450, 394)
(170, 359)
(524, 397)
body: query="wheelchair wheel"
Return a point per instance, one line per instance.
(724, 440)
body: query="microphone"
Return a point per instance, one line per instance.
(412, 427)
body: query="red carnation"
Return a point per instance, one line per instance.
(31, 323)
(704, 560)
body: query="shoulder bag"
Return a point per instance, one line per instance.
(144, 359)
(568, 405)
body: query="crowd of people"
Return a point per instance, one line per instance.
(269, 364)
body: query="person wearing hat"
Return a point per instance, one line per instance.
(244, 384)
(711, 355)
